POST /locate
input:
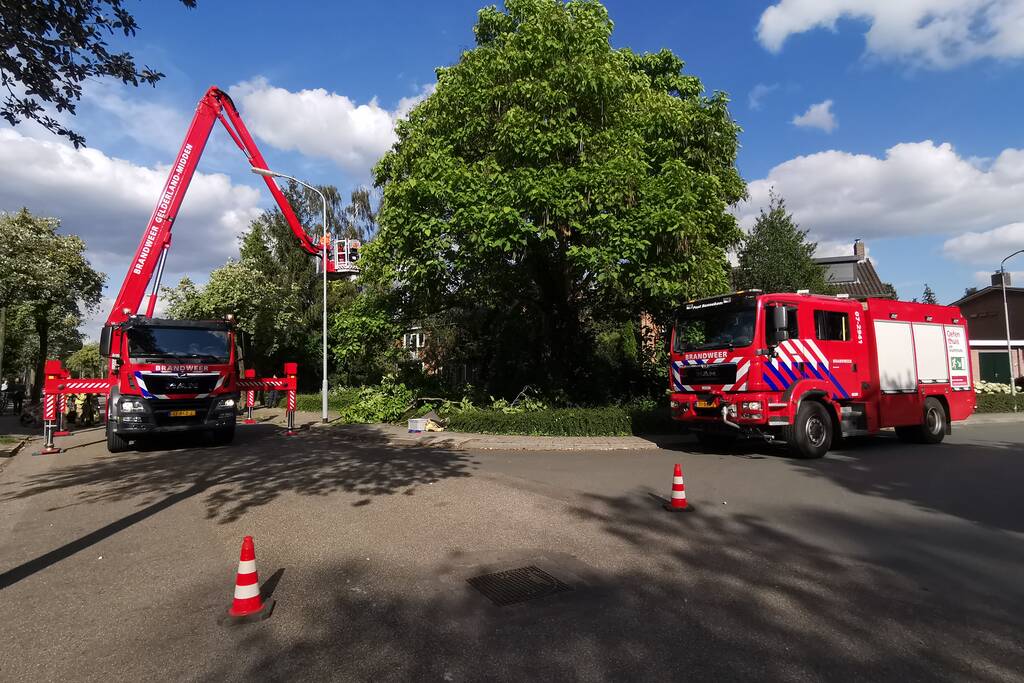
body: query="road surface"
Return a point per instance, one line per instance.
(880, 562)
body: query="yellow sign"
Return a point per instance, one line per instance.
(183, 413)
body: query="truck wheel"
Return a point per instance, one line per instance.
(115, 442)
(933, 427)
(811, 434)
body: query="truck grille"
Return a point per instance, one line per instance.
(162, 411)
(173, 384)
(711, 373)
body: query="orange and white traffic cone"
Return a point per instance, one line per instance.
(248, 605)
(678, 502)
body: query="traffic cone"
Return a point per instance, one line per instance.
(248, 605)
(678, 502)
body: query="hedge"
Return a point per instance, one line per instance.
(998, 403)
(336, 400)
(610, 421)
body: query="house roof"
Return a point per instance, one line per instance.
(985, 291)
(865, 284)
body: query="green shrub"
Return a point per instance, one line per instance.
(609, 421)
(337, 399)
(998, 403)
(385, 402)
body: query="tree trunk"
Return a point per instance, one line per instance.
(43, 332)
(3, 337)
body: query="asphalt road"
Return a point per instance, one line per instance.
(880, 562)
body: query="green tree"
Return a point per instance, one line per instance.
(86, 361)
(559, 181)
(48, 274)
(274, 290)
(776, 255)
(245, 292)
(928, 297)
(49, 49)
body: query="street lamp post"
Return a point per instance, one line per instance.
(323, 244)
(1006, 317)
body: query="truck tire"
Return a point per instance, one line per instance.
(115, 442)
(810, 435)
(933, 425)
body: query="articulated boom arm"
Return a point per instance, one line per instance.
(156, 239)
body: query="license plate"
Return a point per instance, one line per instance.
(183, 413)
(707, 404)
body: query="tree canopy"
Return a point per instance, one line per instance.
(273, 289)
(928, 296)
(560, 182)
(776, 255)
(49, 49)
(47, 278)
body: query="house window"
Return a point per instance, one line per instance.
(831, 326)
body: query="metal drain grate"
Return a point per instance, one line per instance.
(517, 585)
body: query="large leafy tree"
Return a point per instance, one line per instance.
(560, 182)
(776, 255)
(49, 49)
(46, 275)
(273, 289)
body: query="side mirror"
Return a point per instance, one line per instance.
(105, 335)
(243, 345)
(780, 324)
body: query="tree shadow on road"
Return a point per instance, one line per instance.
(716, 598)
(977, 482)
(259, 466)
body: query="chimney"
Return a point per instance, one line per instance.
(1000, 277)
(858, 249)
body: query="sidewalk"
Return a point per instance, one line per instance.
(393, 435)
(399, 436)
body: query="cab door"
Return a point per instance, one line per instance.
(835, 347)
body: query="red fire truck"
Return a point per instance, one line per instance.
(807, 370)
(178, 375)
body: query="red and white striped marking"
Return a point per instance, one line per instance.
(247, 583)
(291, 400)
(678, 489)
(87, 386)
(50, 407)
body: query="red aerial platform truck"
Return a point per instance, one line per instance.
(808, 369)
(179, 375)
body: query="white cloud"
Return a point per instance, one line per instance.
(137, 117)
(933, 33)
(107, 201)
(759, 92)
(988, 247)
(917, 188)
(320, 123)
(818, 116)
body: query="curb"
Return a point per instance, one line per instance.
(13, 450)
(462, 441)
(990, 418)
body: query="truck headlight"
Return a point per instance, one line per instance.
(225, 403)
(132, 405)
(752, 405)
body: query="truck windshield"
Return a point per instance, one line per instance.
(189, 343)
(721, 324)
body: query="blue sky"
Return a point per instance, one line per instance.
(910, 136)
